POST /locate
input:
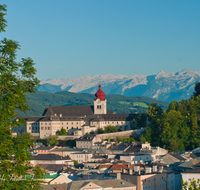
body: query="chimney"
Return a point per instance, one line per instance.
(118, 175)
(137, 169)
(160, 169)
(124, 170)
(147, 170)
(155, 169)
(130, 172)
(60, 115)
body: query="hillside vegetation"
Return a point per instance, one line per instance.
(177, 128)
(40, 100)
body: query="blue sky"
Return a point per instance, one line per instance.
(69, 39)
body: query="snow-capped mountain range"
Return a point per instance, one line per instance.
(163, 86)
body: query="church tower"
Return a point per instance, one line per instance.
(100, 102)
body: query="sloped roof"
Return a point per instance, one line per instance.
(118, 166)
(44, 148)
(53, 167)
(115, 183)
(189, 164)
(55, 186)
(134, 148)
(48, 157)
(89, 137)
(69, 110)
(195, 170)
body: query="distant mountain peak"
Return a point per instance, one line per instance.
(163, 86)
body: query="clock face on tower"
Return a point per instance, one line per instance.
(98, 101)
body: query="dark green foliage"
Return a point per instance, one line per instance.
(17, 79)
(125, 140)
(75, 162)
(40, 100)
(141, 121)
(67, 143)
(177, 128)
(52, 141)
(62, 132)
(108, 129)
(196, 89)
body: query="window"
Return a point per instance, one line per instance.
(98, 106)
(72, 123)
(41, 128)
(41, 123)
(153, 186)
(149, 186)
(33, 128)
(48, 128)
(45, 123)
(45, 128)
(29, 128)
(77, 123)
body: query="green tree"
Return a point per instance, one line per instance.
(193, 185)
(75, 162)
(62, 132)
(17, 79)
(196, 89)
(141, 121)
(52, 140)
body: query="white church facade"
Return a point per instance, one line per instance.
(77, 120)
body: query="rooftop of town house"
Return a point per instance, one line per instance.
(114, 183)
(53, 157)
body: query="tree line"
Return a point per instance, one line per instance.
(178, 127)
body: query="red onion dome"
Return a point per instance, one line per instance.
(100, 94)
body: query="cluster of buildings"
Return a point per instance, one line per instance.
(112, 165)
(104, 164)
(76, 120)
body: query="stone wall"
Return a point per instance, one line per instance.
(68, 137)
(122, 134)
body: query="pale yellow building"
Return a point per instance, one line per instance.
(76, 120)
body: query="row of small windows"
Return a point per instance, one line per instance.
(59, 123)
(33, 128)
(42, 128)
(48, 128)
(149, 186)
(153, 179)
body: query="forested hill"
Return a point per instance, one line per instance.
(177, 128)
(116, 103)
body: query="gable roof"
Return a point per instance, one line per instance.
(48, 157)
(88, 184)
(89, 137)
(69, 110)
(195, 170)
(115, 183)
(55, 186)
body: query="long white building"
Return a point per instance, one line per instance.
(77, 120)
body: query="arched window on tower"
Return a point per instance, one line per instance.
(98, 106)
